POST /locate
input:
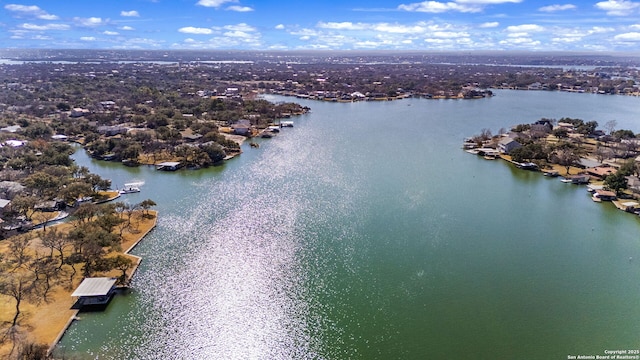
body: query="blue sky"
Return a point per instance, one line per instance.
(454, 25)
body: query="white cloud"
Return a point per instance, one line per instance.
(554, 8)
(520, 42)
(279, 27)
(239, 8)
(392, 28)
(111, 33)
(305, 32)
(238, 34)
(240, 27)
(30, 10)
(214, 3)
(599, 30)
(525, 28)
(618, 7)
(635, 27)
(195, 30)
(132, 13)
(439, 7)
(566, 40)
(90, 22)
(28, 26)
(399, 28)
(466, 6)
(487, 2)
(88, 38)
(449, 34)
(347, 25)
(127, 28)
(488, 25)
(631, 36)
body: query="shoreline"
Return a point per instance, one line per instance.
(45, 323)
(132, 244)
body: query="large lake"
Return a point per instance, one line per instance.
(365, 232)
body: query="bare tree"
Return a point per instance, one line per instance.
(18, 249)
(19, 287)
(610, 126)
(566, 157)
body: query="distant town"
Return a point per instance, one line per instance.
(188, 109)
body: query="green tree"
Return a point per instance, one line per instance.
(560, 133)
(146, 205)
(616, 182)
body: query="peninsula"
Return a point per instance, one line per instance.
(576, 149)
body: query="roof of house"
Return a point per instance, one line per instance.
(508, 140)
(602, 170)
(587, 163)
(98, 286)
(4, 203)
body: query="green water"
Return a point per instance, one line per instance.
(364, 232)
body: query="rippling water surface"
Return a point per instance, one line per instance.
(365, 232)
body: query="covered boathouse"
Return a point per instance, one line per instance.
(169, 166)
(95, 291)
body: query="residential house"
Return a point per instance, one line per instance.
(5, 205)
(11, 129)
(633, 184)
(106, 105)
(242, 127)
(112, 130)
(79, 112)
(192, 137)
(507, 144)
(601, 172)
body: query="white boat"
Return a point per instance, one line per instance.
(130, 189)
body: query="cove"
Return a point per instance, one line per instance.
(365, 232)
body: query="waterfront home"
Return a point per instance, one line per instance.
(242, 127)
(601, 172)
(633, 184)
(584, 163)
(94, 291)
(507, 145)
(568, 126)
(243, 130)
